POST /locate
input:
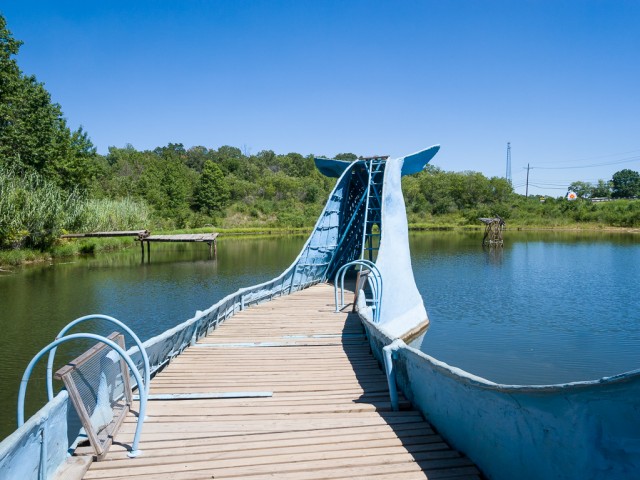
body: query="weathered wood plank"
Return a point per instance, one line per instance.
(121, 233)
(329, 416)
(183, 237)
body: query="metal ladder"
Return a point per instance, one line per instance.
(373, 213)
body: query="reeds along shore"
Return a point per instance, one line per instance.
(34, 212)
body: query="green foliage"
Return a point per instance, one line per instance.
(212, 192)
(588, 190)
(198, 186)
(160, 178)
(34, 211)
(582, 189)
(434, 192)
(625, 184)
(349, 157)
(94, 215)
(34, 135)
(602, 189)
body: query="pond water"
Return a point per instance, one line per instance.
(549, 307)
(37, 301)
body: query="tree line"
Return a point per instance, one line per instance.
(52, 180)
(623, 184)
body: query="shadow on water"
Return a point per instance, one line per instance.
(428, 450)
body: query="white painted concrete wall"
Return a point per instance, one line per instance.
(581, 430)
(402, 305)
(21, 453)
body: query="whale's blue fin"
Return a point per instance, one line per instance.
(331, 168)
(415, 162)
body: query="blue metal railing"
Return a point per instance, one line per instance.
(376, 286)
(75, 336)
(143, 352)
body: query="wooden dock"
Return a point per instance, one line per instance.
(119, 233)
(209, 238)
(323, 413)
(145, 236)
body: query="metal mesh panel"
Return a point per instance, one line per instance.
(99, 387)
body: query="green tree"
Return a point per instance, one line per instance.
(195, 157)
(229, 158)
(33, 133)
(625, 184)
(349, 157)
(602, 189)
(582, 189)
(212, 192)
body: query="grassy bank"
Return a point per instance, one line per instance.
(85, 246)
(91, 246)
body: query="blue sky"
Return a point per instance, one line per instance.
(558, 79)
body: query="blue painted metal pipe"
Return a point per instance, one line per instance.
(143, 352)
(389, 354)
(143, 394)
(377, 288)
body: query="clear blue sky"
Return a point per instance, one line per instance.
(558, 79)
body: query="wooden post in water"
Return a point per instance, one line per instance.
(141, 237)
(493, 231)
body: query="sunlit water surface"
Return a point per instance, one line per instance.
(547, 308)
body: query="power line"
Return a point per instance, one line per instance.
(548, 188)
(617, 162)
(597, 156)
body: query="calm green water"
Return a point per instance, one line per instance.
(549, 307)
(36, 302)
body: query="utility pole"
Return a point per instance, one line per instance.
(527, 192)
(508, 174)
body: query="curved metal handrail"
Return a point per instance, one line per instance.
(143, 352)
(376, 288)
(74, 336)
(342, 270)
(369, 264)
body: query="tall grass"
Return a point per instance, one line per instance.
(108, 215)
(34, 212)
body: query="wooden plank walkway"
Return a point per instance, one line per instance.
(329, 416)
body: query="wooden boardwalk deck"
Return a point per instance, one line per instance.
(329, 416)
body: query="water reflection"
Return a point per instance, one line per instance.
(549, 307)
(37, 301)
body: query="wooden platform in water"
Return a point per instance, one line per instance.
(182, 237)
(119, 233)
(329, 415)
